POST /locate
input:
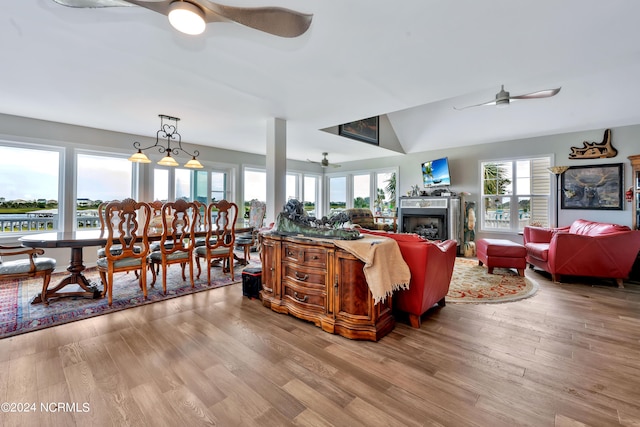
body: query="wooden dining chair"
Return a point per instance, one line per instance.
(126, 226)
(247, 241)
(177, 241)
(17, 266)
(220, 237)
(201, 224)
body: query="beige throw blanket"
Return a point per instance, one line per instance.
(384, 268)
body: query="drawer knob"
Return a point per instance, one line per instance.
(299, 277)
(295, 295)
(315, 257)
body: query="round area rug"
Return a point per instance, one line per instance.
(471, 283)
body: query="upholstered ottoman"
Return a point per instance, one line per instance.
(501, 253)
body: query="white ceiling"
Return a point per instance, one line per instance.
(118, 68)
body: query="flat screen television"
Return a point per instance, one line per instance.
(436, 172)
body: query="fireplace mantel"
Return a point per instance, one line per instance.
(434, 218)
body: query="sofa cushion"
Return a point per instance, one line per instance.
(538, 250)
(591, 228)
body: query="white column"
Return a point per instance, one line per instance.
(276, 167)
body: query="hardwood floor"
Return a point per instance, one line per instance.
(569, 356)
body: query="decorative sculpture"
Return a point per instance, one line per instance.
(294, 220)
(595, 150)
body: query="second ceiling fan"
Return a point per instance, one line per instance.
(324, 162)
(503, 98)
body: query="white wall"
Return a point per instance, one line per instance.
(464, 163)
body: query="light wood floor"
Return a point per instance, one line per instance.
(569, 356)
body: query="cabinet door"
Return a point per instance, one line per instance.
(356, 316)
(353, 299)
(270, 268)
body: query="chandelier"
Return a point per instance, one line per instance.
(170, 133)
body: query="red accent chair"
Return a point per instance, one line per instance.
(585, 248)
(431, 265)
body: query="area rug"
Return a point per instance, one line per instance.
(18, 315)
(471, 283)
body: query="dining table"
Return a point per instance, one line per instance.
(76, 241)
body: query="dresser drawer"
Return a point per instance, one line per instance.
(304, 296)
(304, 255)
(304, 276)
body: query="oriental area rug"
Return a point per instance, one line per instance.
(18, 315)
(471, 283)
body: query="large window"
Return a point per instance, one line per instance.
(187, 184)
(515, 193)
(29, 189)
(371, 190)
(100, 178)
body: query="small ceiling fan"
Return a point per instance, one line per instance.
(503, 98)
(191, 16)
(325, 162)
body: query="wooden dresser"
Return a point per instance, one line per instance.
(321, 283)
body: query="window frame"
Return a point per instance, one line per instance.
(515, 194)
(58, 225)
(349, 176)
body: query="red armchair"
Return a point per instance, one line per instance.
(586, 248)
(431, 265)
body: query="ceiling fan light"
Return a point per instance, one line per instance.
(186, 18)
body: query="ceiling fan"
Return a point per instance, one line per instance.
(503, 98)
(325, 162)
(191, 16)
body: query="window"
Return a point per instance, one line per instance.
(161, 184)
(255, 187)
(183, 184)
(385, 200)
(219, 186)
(292, 186)
(100, 178)
(337, 194)
(362, 191)
(29, 189)
(310, 195)
(515, 193)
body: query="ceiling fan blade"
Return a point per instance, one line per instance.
(547, 93)
(273, 20)
(93, 3)
(476, 105)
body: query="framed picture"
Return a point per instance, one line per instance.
(365, 130)
(592, 187)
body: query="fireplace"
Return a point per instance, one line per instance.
(434, 218)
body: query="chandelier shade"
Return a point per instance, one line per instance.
(168, 132)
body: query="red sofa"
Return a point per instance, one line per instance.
(585, 248)
(431, 266)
